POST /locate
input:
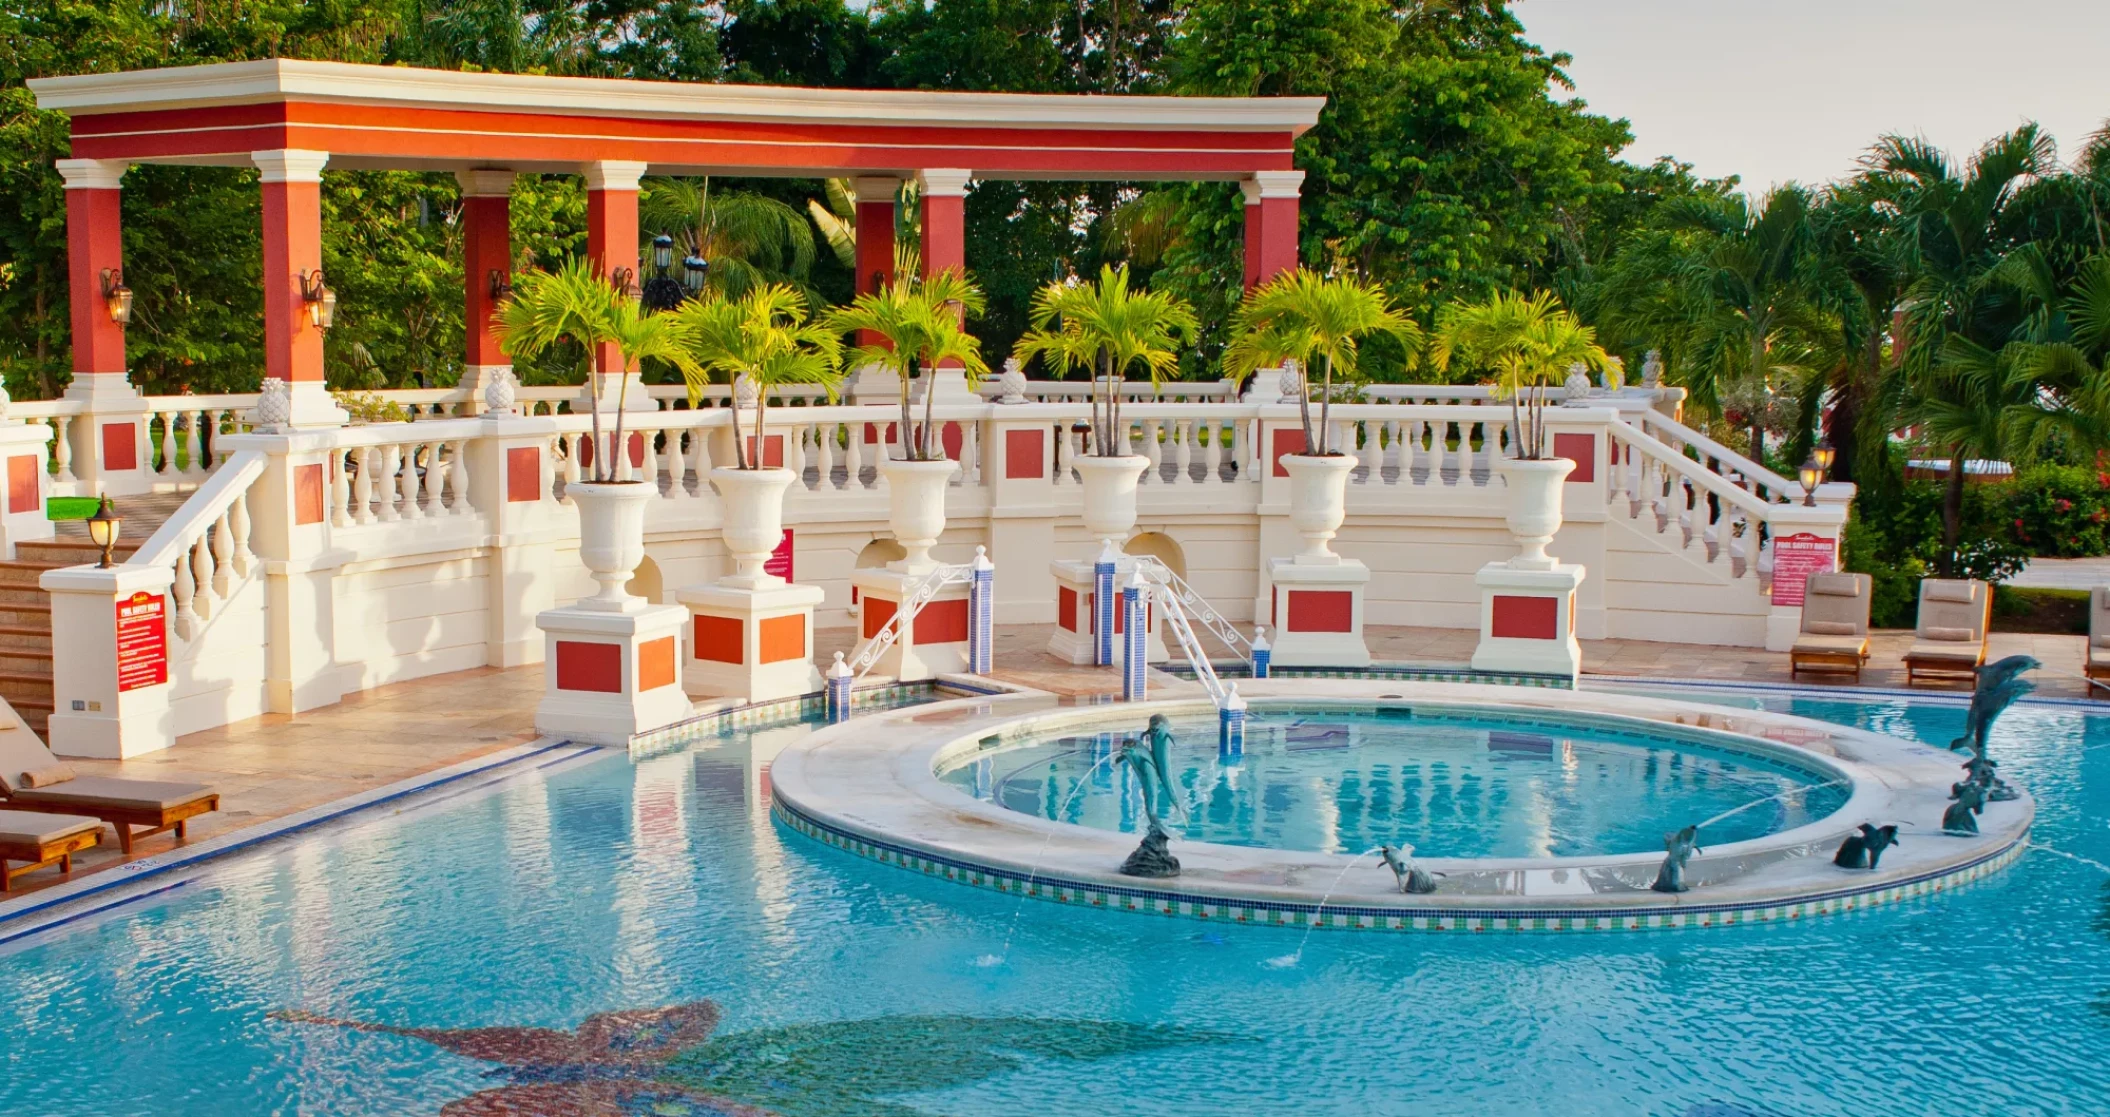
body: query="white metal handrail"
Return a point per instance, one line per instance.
(1177, 590)
(1176, 619)
(920, 593)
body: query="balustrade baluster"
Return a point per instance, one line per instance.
(824, 454)
(1182, 438)
(238, 526)
(184, 589)
(458, 478)
(410, 481)
(436, 467)
(368, 461)
(194, 443)
(202, 575)
(1065, 452)
(569, 444)
(700, 460)
(1373, 450)
(62, 448)
(390, 462)
(222, 555)
(1209, 432)
(795, 452)
(340, 486)
(854, 456)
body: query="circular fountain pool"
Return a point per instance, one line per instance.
(1447, 783)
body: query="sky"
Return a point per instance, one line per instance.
(1781, 90)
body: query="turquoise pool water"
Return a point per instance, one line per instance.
(1338, 780)
(841, 987)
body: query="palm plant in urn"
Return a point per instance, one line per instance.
(762, 339)
(917, 321)
(1319, 321)
(577, 306)
(1524, 342)
(1106, 328)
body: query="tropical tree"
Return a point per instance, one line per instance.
(765, 338)
(1106, 327)
(918, 323)
(1526, 342)
(748, 239)
(577, 304)
(1314, 318)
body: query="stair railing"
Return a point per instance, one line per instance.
(920, 593)
(207, 542)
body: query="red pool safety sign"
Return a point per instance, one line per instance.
(142, 641)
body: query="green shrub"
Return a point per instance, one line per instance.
(1894, 598)
(2056, 510)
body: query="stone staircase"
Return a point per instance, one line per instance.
(25, 609)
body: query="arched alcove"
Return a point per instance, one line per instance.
(1161, 547)
(645, 581)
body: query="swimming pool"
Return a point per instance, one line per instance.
(839, 987)
(1450, 784)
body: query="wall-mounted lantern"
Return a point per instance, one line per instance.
(117, 298)
(320, 300)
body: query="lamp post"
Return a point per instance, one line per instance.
(1825, 455)
(663, 291)
(1811, 475)
(103, 528)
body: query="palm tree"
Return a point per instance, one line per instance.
(748, 238)
(577, 303)
(837, 220)
(917, 321)
(1527, 341)
(1308, 316)
(1107, 327)
(765, 337)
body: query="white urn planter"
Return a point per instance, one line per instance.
(1318, 502)
(1110, 493)
(611, 539)
(1534, 506)
(754, 520)
(916, 508)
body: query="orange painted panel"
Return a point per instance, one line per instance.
(1285, 440)
(720, 639)
(589, 666)
(1025, 455)
(307, 493)
(782, 638)
(1321, 611)
(523, 474)
(655, 663)
(120, 446)
(23, 494)
(1579, 447)
(1526, 618)
(942, 622)
(877, 611)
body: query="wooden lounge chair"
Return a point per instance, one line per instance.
(1949, 644)
(1834, 634)
(2098, 666)
(41, 840)
(32, 779)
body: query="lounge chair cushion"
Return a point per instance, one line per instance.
(20, 752)
(1945, 590)
(2100, 640)
(1835, 585)
(2098, 656)
(1813, 643)
(1965, 653)
(1948, 635)
(108, 793)
(29, 828)
(1832, 628)
(48, 775)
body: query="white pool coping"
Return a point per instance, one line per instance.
(870, 786)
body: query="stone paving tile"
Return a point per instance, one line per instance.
(277, 764)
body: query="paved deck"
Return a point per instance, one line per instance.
(278, 764)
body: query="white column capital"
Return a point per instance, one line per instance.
(485, 183)
(92, 174)
(943, 182)
(875, 189)
(1251, 190)
(290, 164)
(612, 174)
(1273, 184)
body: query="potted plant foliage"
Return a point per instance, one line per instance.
(1318, 321)
(1526, 342)
(765, 339)
(1107, 328)
(917, 321)
(576, 303)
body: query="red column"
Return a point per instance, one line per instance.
(1253, 214)
(944, 219)
(292, 182)
(611, 227)
(94, 244)
(875, 238)
(487, 248)
(1277, 231)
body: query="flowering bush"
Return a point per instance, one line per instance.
(2058, 510)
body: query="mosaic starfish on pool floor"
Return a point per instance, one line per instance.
(664, 1063)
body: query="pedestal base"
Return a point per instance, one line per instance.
(611, 676)
(1076, 613)
(934, 642)
(1527, 620)
(750, 643)
(1318, 613)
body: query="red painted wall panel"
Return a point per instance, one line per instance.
(307, 494)
(523, 474)
(1321, 611)
(120, 446)
(719, 639)
(942, 622)
(1025, 455)
(1579, 447)
(1526, 618)
(23, 494)
(589, 667)
(1066, 607)
(1284, 440)
(877, 611)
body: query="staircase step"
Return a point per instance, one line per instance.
(17, 572)
(15, 594)
(25, 637)
(70, 552)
